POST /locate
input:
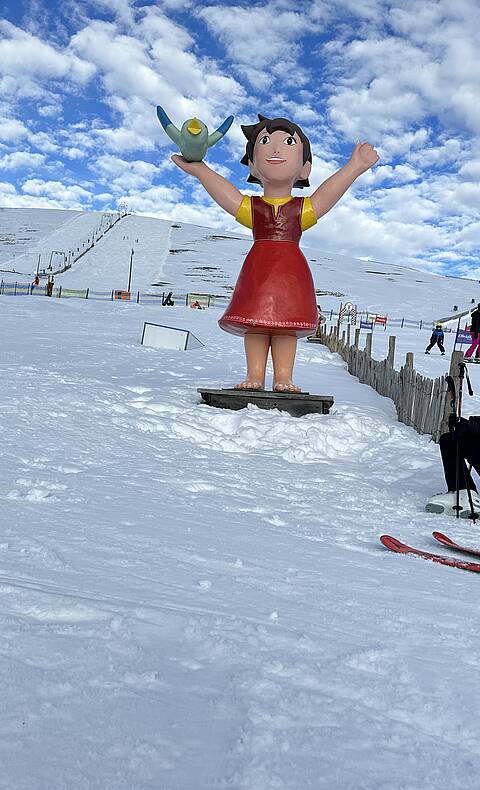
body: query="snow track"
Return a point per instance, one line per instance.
(197, 599)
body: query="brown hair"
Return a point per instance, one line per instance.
(274, 125)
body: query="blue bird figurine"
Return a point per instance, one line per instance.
(193, 139)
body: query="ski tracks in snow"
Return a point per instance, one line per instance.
(194, 598)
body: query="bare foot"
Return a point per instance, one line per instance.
(249, 385)
(286, 387)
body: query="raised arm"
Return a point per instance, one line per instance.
(222, 191)
(363, 157)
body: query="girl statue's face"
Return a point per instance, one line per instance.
(278, 158)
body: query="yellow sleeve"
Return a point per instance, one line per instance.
(244, 213)
(309, 218)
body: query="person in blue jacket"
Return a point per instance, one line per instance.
(436, 339)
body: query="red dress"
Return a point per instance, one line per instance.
(274, 294)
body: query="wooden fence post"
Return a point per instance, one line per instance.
(391, 351)
(368, 344)
(419, 401)
(407, 394)
(457, 356)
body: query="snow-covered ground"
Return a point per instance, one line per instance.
(196, 599)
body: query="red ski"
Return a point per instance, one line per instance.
(401, 548)
(446, 541)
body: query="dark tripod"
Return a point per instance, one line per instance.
(455, 416)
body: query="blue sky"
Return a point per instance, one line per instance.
(79, 83)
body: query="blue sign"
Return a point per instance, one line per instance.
(366, 325)
(463, 336)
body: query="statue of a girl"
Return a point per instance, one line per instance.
(274, 303)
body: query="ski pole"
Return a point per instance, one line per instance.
(463, 366)
(451, 422)
(462, 372)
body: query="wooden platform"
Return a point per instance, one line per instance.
(295, 404)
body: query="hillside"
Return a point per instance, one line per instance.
(190, 258)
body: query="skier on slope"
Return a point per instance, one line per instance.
(464, 434)
(168, 301)
(475, 333)
(436, 339)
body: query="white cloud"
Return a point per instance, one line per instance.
(122, 175)
(406, 204)
(394, 81)
(44, 141)
(104, 197)
(289, 108)
(470, 171)
(350, 230)
(157, 201)
(370, 113)
(73, 153)
(175, 5)
(448, 151)
(50, 109)
(123, 10)
(78, 136)
(12, 130)
(26, 62)
(468, 236)
(9, 198)
(20, 160)
(400, 174)
(262, 42)
(67, 196)
(7, 189)
(405, 143)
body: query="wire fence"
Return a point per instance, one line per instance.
(205, 300)
(189, 299)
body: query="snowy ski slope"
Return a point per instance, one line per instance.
(191, 258)
(196, 599)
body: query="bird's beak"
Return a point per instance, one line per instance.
(194, 127)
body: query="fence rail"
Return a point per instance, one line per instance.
(59, 292)
(205, 299)
(420, 402)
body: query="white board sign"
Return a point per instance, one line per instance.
(159, 336)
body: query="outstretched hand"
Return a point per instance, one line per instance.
(188, 167)
(363, 157)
